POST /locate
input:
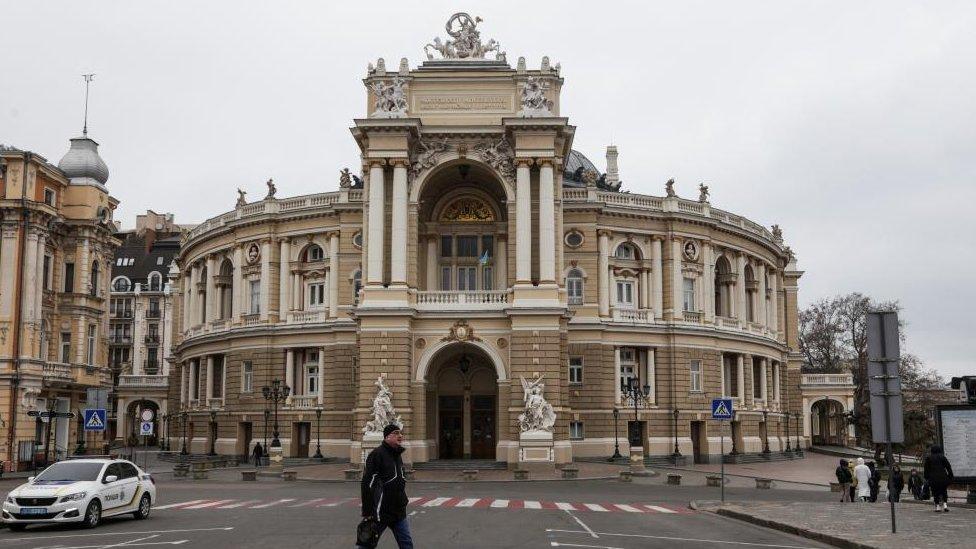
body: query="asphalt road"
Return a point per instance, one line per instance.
(586, 514)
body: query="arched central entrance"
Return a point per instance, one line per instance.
(462, 403)
(828, 424)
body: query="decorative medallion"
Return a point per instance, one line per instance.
(420, 343)
(502, 343)
(253, 253)
(574, 239)
(691, 250)
(461, 332)
(467, 209)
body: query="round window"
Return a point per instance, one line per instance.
(357, 240)
(574, 239)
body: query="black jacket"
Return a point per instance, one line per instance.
(897, 481)
(937, 468)
(844, 474)
(384, 489)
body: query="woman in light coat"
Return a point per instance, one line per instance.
(863, 475)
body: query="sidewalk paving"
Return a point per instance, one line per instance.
(862, 525)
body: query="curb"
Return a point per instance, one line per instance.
(459, 481)
(818, 484)
(795, 530)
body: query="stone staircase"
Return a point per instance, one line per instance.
(461, 465)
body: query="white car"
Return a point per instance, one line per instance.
(81, 490)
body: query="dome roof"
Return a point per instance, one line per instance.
(576, 164)
(82, 162)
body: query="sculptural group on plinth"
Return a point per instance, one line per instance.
(536, 423)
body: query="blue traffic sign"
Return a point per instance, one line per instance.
(95, 419)
(722, 408)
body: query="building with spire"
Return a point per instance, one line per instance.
(55, 256)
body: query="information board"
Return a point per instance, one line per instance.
(957, 435)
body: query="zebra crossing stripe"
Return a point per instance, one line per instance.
(209, 504)
(469, 502)
(413, 500)
(596, 507)
(500, 504)
(175, 505)
(272, 504)
(531, 505)
(436, 502)
(628, 508)
(565, 506)
(308, 503)
(339, 502)
(240, 504)
(660, 509)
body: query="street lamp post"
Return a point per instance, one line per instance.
(276, 393)
(267, 419)
(213, 433)
(318, 433)
(797, 447)
(183, 416)
(638, 395)
(616, 443)
(765, 414)
(735, 447)
(676, 454)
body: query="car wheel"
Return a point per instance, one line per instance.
(145, 505)
(93, 515)
(17, 527)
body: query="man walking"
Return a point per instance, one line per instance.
(844, 478)
(383, 487)
(939, 475)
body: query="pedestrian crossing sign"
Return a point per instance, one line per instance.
(722, 408)
(94, 419)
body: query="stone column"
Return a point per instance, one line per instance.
(210, 378)
(740, 289)
(724, 374)
(194, 295)
(398, 224)
(41, 281)
(523, 223)
(612, 288)
(708, 283)
(211, 288)
(501, 263)
(676, 279)
(763, 383)
(192, 384)
(285, 302)
(547, 224)
(184, 379)
(658, 272)
(290, 372)
(321, 383)
(761, 298)
(740, 379)
(297, 286)
(375, 217)
(603, 270)
(334, 275)
(651, 374)
(186, 279)
(432, 255)
(616, 375)
(774, 302)
(30, 264)
(7, 279)
(645, 289)
(82, 267)
(265, 279)
(237, 299)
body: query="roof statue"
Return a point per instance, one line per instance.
(702, 192)
(241, 201)
(538, 414)
(669, 188)
(345, 178)
(466, 43)
(391, 100)
(271, 189)
(534, 100)
(777, 233)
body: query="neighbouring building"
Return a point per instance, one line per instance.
(57, 248)
(473, 252)
(141, 324)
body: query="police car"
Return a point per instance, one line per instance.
(81, 490)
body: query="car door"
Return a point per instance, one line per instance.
(112, 492)
(131, 482)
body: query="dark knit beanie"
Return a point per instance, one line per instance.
(389, 429)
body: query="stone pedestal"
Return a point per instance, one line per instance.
(536, 451)
(275, 457)
(370, 441)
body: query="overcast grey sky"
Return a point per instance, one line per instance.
(850, 124)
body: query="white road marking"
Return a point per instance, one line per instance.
(585, 527)
(239, 504)
(565, 506)
(596, 507)
(628, 508)
(469, 502)
(436, 502)
(751, 544)
(272, 504)
(336, 503)
(179, 531)
(531, 505)
(659, 509)
(172, 505)
(307, 503)
(500, 503)
(413, 500)
(557, 544)
(209, 504)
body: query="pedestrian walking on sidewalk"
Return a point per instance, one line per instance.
(384, 489)
(896, 483)
(258, 454)
(844, 478)
(915, 484)
(875, 483)
(938, 473)
(863, 476)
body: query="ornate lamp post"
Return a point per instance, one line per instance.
(789, 447)
(735, 447)
(276, 393)
(765, 414)
(638, 395)
(267, 419)
(318, 433)
(213, 433)
(616, 443)
(183, 416)
(676, 454)
(797, 447)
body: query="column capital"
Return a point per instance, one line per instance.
(604, 232)
(332, 234)
(376, 162)
(399, 162)
(523, 162)
(542, 162)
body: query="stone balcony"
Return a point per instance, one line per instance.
(478, 300)
(143, 382)
(307, 317)
(633, 316)
(303, 402)
(57, 371)
(826, 380)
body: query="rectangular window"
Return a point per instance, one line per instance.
(696, 376)
(255, 293)
(69, 278)
(47, 272)
(49, 196)
(91, 345)
(756, 381)
(466, 278)
(487, 278)
(316, 294)
(447, 245)
(65, 347)
(467, 246)
(576, 369)
(247, 376)
(628, 367)
(445, 278)
(574, 289)
(689, 294)
(576, 430)
(153, 330)
(311, 380)
(625, 294)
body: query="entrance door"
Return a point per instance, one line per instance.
(303, 435)
(483, 427)
(244, 434)
(699, 442)
(451, 416)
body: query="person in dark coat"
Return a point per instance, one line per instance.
(258, 453)
(896, 483)
(938, 473)
(845, 479)
(874, 483)
(384, 488)
(915, 484)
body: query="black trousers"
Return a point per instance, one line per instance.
(940, 492)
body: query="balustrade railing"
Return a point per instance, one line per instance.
(477, 299)
(636, 316)
(725, 322)
(57, 370)
(304, 401)
(305, 317)
(826, 379)
(692, 316)
(146, 381)
(251, 319)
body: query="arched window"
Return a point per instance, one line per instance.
(574, 287)
(121, 284)
(751, 287)
(155, 282)
(93, 279)
(626, 251)
(723, 287)
(313, 253)
(225, 289)
(357, 284)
